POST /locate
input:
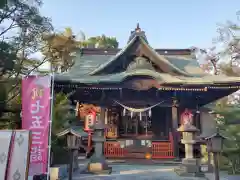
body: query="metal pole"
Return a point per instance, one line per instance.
(216, 168)
(146, 124)
(70, 170)
(50, 125)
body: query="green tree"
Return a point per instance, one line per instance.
(21, 27)
(227, 118)
(61, 111)
(103, 42)
(60, 48)
(226, 61)
(8, 56)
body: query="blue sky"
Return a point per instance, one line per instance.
(167, 23)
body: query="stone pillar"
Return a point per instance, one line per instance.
(98, 139)
(98, 163)
(75, 160)
(174, 131)
(190, 166)
(98, 135)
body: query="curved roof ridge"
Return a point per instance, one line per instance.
(102, 66)
(163, 59)
(121, 52)
(181, 57)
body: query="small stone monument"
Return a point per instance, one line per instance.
(98, 163)
(190, 165)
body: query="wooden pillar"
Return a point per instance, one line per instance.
(198, 121)
(102, 115)
(106, 117)
(174, 131)
(125, 124)
(89, 141)
(136, 126)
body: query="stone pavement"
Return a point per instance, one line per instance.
(143, 172)
(125, 171)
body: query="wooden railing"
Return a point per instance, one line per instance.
(159, 149)
(163, 150)
(113, 150)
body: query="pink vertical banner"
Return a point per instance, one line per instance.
(36, 104)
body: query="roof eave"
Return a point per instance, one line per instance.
(69, 131)
(112, 51)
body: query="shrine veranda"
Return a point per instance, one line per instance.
(143, 93)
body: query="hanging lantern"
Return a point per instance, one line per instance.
(124, 112)
(85, 109)
(150, 113)
(186, 117)
(90, 121)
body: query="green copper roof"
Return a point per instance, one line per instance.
(90, 69)
(75, 130)
(85, 64)
(187, 65)
(157, 58)
(160, 77)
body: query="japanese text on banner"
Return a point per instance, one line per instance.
(36, 117)
(37, 127)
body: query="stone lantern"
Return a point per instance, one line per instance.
(73, 142)
(215, 146)
(215, 142)
(98, 163)
(190, 165)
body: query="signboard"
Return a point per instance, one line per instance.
(36, 117)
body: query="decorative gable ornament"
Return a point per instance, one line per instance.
(143, 84)
(140, 63)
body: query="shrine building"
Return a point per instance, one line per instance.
(142, 94)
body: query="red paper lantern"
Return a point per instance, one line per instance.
(90, 120)
(186, 117)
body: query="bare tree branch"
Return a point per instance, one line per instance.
(11, 26)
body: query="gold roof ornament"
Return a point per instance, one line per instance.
(138, 29)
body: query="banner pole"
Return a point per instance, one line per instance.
(50, 125)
